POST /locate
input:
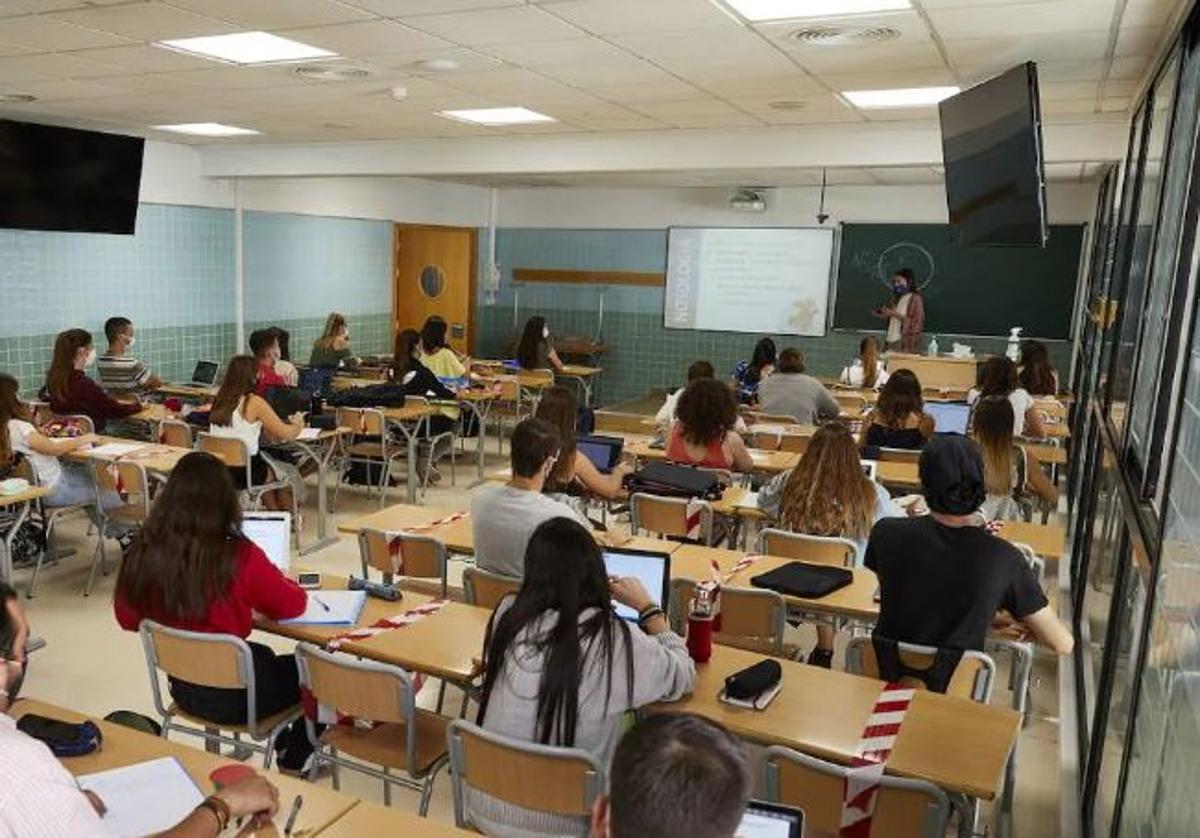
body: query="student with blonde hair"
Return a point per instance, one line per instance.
(1012, 477)
(868, 370)
(332, 348)
(828, 494)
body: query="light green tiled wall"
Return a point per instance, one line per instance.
(370, 334)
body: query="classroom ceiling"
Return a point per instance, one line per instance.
(593, 65)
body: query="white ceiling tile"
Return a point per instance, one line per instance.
(882, 79)
(1116, 104)
(616, 17)
(623, 73)
(143, 58)
(629, 92)
(372, 37)
(903, 175)
(918, 55)
(495, 26)
(558, 53)
(220, 78)
(468, 61)
(695, 113)
(45, 33)
(996, 19)
(929, 115)
(1139, 41)
(67, 89)
(49, 66)
(402, 8)
(776, 85)
(1129, 68)
(150, 21)
(1001, 52)
(1064, 107)
(718, 45)
(1053, 71)
(25, 7)
(1148, 13)
(1068, 90)
(276, 14)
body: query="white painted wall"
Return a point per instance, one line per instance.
(792, 206)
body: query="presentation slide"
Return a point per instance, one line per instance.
(748, 279)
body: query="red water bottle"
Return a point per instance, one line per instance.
(704, 610)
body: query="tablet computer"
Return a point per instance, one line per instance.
(651, 567)
(272, 532)
(770, 820)
(603, 451)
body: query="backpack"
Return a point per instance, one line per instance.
(675, 481)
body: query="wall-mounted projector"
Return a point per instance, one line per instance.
(749, 199)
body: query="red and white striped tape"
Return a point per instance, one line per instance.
(395, 538)
(870, 759)
(693, 518)
(741, 564)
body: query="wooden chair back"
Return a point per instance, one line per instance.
(912, 808)
(361, 689)
(751, 618)
(510, 388)
(229, 449)
(666, 516)
(486, 589)
(1051, 408)
(364, 421)
(176, 434)
(129, 479)
(850, 402)
(899, 455)
(769, 441)
(562, 781)
(757, 418)
(209, 660)
(972, 678)
(837, 552)
(419, 557)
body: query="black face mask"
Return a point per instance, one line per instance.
(899, 289)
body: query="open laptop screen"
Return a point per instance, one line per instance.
(205, 372)
(770, 820)
(653, 569)
(272, 532)
(603, 451)
(949, 417)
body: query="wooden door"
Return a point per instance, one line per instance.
(435, 275)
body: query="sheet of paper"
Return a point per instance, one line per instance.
(331, 608)
(309, 433)
(116, 449)
(748, 501)
(145, 798)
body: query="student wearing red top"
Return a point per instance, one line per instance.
(264, 343)
(70, 391)
(191, 568)
(703, 433)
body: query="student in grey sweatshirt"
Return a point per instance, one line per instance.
(571, 689)
(789, 392)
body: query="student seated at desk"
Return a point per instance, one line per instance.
(191, 568)
(695, 371)
(70, 484)
(899, 419)
(572, 687)
(1035, 372)
(120, 373)
(868, 370)
(70, 391)
(416, 379)
(535, 350)
(998, 377)
(39, 797)
(789, 392)
(1013, 477)
(574, 473)
(674, 775)
(332, 349)
(239, 412)
(748, 374)
(942, 577)
(827, 494)
(436, 352)
(504, 515)
(284, 367)
(264, 345)
(703, 432)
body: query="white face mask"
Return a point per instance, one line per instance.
(346, 337)
(131, 342)
(91, 358)
(545, 331)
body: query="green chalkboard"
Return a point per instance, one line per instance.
(968, 290)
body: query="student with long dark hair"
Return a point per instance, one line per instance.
(190, 567)
(417, 380)
(748, 374)
(70, 391)
(574, 472)
(899, 419)
(1036, 374)
(535, 351)
(560, 668)
(998, 377)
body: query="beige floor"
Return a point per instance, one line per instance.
(92, 666)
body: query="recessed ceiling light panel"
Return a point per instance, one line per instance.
(497, 116)
(247, 48)
(759, 11)
(207, 129)
(908, 97)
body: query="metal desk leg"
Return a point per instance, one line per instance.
(323, 540)
(481, 411)
(21, 513)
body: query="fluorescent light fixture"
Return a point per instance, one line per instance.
(497, 116)
(763, 10)
(907, 97)
(247, 48)
(208, 129)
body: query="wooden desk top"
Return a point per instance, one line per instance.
(123, 747)
(1047, 540)
(152, 456)
(151, 413)
(580, 371)
(32, 493)
(957, 744)
(1045, 454)
(1058, 430)
(457, 535)
(766, 462)
(387, 822)
(408, 413)
(187, 391)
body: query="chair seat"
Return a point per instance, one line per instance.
(265, 725)
(386, 744)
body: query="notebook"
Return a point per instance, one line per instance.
(331, 608)
(309, 433)
(145, 798)
(115, 449)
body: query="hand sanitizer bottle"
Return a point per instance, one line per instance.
(933, 346)
(1014, 344)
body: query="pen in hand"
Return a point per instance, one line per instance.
(291, 819)
(322, 603)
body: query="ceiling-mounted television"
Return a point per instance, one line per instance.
(54, 178)
(992, 151)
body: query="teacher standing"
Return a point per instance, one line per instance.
(906, 316)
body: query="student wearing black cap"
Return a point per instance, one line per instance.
(942, 577)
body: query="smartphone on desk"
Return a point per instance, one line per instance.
(309, 581)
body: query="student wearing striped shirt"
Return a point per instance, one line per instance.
(121, 373)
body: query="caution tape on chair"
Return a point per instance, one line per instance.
(861, 787)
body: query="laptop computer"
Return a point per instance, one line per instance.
(205, 373)
(651, 567)
(949, 417)
(272, 532)
(870, 468)
(771, 820)
(603, 451)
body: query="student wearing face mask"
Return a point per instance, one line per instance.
(120, 373)
(906, 316)
(536, 351)
(504, 515)
(332, 348)
(264, 343)
(71, 392)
